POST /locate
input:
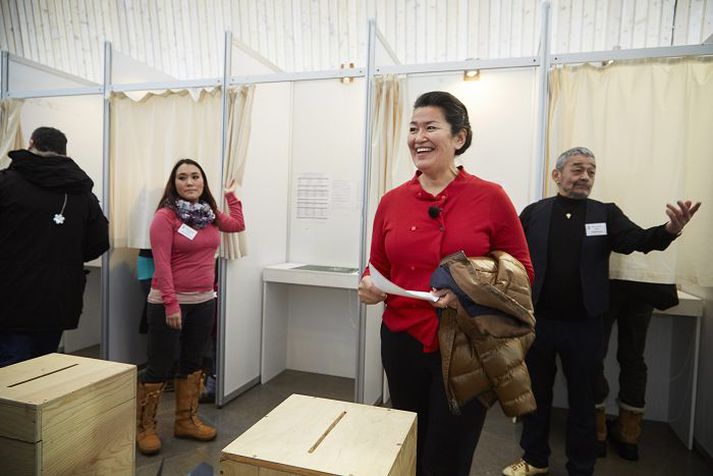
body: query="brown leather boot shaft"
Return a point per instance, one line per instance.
(601, 424)
(148, 396)
(188, 424)
(629, 426)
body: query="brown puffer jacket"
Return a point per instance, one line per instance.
(484, 341)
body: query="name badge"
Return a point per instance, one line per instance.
(596, 229)
(187, 231)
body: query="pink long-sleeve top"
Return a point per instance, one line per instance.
(184, 265)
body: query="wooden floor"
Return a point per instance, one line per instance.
(662, 453)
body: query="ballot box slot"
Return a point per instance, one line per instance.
(326, 432)
(41, 376)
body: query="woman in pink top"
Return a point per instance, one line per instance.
(185, 235)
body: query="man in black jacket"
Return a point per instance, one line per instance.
(570, 239)
(50, 224)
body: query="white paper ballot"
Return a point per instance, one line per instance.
(390, 288)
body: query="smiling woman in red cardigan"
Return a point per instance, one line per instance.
(441, 210)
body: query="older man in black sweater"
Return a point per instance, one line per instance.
(570, 238)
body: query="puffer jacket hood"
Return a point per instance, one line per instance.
(484, 341)
(54, 173)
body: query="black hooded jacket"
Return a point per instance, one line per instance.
(41, 261)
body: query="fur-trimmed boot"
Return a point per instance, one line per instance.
(601, 431)
(147, 397)
(624, 433)
(187, 424)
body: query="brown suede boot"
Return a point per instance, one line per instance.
(187, 424)
(147, 398)
(601, 431)
(624, 433)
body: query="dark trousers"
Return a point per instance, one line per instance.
(19, 346)
(186, 345)
(632, 315)
(143, 321)
(446, 442)
(577, 344)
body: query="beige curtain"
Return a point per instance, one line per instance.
(10, 130)
(387, 122)
(650, 125)
(240, 104)
(149, 133)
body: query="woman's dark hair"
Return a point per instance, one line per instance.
(454, 111)
(49, 139)
(170, 194)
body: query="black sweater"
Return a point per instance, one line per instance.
(571, 266)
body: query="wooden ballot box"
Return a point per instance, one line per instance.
(316, 436)
(67, 415)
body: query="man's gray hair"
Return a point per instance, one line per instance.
(569, 153)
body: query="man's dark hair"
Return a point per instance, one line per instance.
(49, 139)
(454, 111)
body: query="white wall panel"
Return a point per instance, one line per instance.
(327, 136)
(502, 111)
(322, 330)
(264, 197)
(80, 118)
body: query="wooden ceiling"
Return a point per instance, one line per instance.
(184, 38)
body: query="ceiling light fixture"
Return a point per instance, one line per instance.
(471, 75)
(347, 79)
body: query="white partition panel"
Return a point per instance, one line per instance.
(27, 76)
(314, 327)
(327, 151)
(325, 216)
(264, 197)
(502, 110)
(80, 118)
(322, 330)
(88, 332)
(126, 301)
(126, 69)
(374, 386)
(375, 389)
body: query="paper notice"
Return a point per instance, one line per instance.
(390, 288)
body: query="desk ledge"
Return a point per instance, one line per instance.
(688, 306)
(288, 273)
